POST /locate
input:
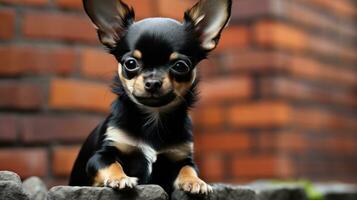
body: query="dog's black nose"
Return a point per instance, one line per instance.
(152, 85)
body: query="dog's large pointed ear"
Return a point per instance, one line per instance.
(208, 18)
(111, 19)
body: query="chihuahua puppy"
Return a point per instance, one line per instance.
(147, 138)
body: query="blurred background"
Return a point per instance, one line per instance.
(278, 96)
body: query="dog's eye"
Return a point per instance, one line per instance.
(180, 68)
(131, 65)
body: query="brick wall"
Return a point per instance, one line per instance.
(278, 95)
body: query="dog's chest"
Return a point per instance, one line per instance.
(126, 144)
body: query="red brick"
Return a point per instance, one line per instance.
(308, 16)
(284, 36)
(303, 92)
(212, 168)
(209, 68)
(20, 95)
(58, 26)
(339, 169)
(142, 8)
(315, 70)
(279, 35)
(281, 141)
(246, 9)
(18, 60)
(98, 64)
(294, 141)
(66, 128)
(26, 2)
(262, 166)
(63, 160)
(174, 8)
(254, 61)
(260, 114)
(210, 116)
(298, 66)
(265, 141)
(326, 47)
(24, 161)
(222, 142)
(234, 37)
(265, 61)
(338, 144)
(7, 24)
(68, 94)
(340, 8)
(8, 128)
(286, 168)
(73, 4)
(256, 166)
(225, 89)
(319, 119)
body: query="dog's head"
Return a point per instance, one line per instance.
(157, 56)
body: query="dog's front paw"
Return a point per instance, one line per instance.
(121, 183)
(193, 185)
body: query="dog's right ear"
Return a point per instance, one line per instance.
(111, 19)
(208, 19)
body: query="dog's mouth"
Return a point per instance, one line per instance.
(156, 101)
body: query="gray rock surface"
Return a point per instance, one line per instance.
(35, 188)
(284, 191)
(11, 187)
(341, 196)
(282, 194)
(10, 176)
(147, 192)
(337, 191)
(220, 192)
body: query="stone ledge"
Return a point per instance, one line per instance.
(35, 188)
(141, 192)
(220, 191)
(338, 191)
(11, 188)
(281, 194)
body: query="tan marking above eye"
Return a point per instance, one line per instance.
(174, 56)
(137, 54)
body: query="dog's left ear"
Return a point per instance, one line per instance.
(208, 18)
(111, 19)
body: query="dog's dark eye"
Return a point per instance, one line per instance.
(131, 65)
(180, 67)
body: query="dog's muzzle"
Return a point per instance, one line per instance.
(156, 101)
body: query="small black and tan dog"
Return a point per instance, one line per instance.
(147, 138)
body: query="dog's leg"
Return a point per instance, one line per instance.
(188, 181)
(109, 173)
(113, 176)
